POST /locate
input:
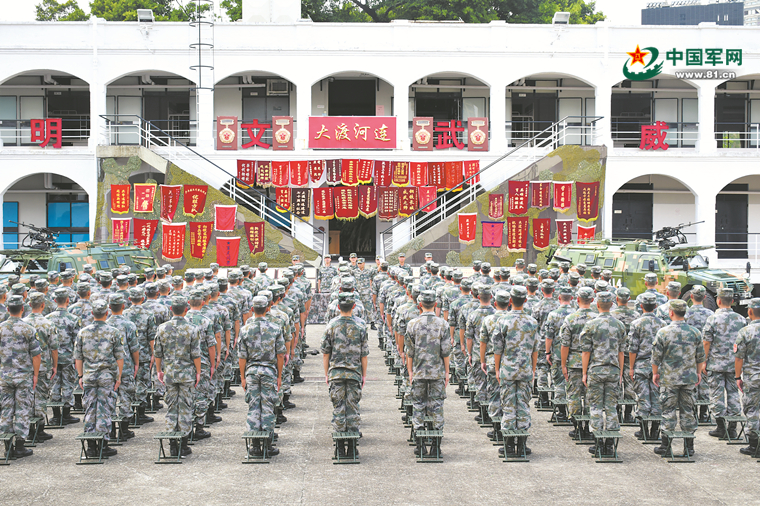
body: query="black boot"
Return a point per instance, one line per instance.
(41, 434)
(184, 449)
(67, 418)
(663, 448)
(372, 326)
(752, 448)
(342, 448)
(271, 449)
(173, 448)
(689, 447)
(598, 445)
(286, 404)
(510, 447)
(628, 417)
(125, 432)
(521, 446)
(654, 431)
(157, 402)
(107, 450)
(609, 447)
(78, 402)
(57, 416)
(92, 450)
(255, 449)
(561, 414)
(19, 451)
(211, 417)
(704, 414)
(297, 376)
(142, 417)
(200, 433)
(573, 433)
(720, 430)
(732, 430)
(280, 417)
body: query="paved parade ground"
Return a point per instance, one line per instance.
(559, 472)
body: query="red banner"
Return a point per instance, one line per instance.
(349, 170)
(255, 234)
(264, 174)
(144, 232)
(169, 201)
(387, 202)
(408, 201)
(227, 251)
(518, 197)
(172, 241)
(586, 233)
(400, 172)
(323, 203)
(246, 171)
(368, 201)
(226, 133)
(200, 235)
(564, 232)
(332, 167)
(316, 169)
(383, 174)
(477, 134)
(301, 202)
(120, 230)
(280, 174)
(195, 199)
(346, 202)
(541, 233)
(224, 218)
(563, 195)
(539, 195)
(428, 195)
(453, 171)
(587, 196)
(282, 196)
(120, 198)
(299, 173)
(144, 195)
(467, 224)
(422, 134)
(496, 206)
(352, 132)
(437, 175)
(282, 133)
(517, 234)
(493, 234)
(418, 174)
(365, 171)
(471, 168)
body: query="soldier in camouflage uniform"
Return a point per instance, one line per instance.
(64, 381)
(19, 371)
(67, 281)
(462, 315)
(402, 264)
(450, 292)
(381, 278)
(42, 286)
(673, 291)
(697, 316)
(204, 394)
(540, 312)
(144, 319)
(261, 352)
(99, 355)
(678, 359)
(262, 280)
(719, 335)
(458, 350)
(564, 276)
(602, 347)
(747, 369)
(282, 316)
(549, 334)
(515, 348)
(47, 335)
(626, 316)
(177, 351)
(131, 346)
(531, 284)
(487, 328)
(477, 377)
(404, 314)
(83, 308)
(325, 275)
(650, 281)
(427, 347)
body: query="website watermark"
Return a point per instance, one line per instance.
(705, 74)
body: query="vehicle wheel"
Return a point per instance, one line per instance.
(686, 297)
(709, 301)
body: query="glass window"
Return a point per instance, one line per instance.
(80, 214)
(590, 259)
(10, 235)
(69, 215)
(121, 260)
(10, 241)
(104, 264)
(62, 266)
(59, 214)
(609, 262)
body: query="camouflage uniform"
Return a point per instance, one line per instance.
(65, 379)
(47, 335)
(697, 316)
(492, 393)
(365, 295)
(145, 324)
(83, 310)
(748, 350)
(476, 377)
(570, 337)
(721, 330)
(640, 340)
(204, 393)
(540, 312)
(130, 344)
(460, 360)
(626, 316)
(405, 314)
(661, 298)
(19, 343)
(551, 330)
(326, 276)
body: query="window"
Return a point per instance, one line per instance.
(69, 215)
(62, 266)
(120, 260)
(104, 264)
(609, 262)
(10, 230)
(589, 259)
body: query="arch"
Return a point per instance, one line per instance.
(154, 71)
(79, 177)
(550, 74)
(452, 73)
(41, 72)
(257, 73)
(361, 73)
(740, 77)
(610, 191)
(666, 77)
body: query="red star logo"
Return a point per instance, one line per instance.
(638, 56)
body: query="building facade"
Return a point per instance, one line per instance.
(693, 12)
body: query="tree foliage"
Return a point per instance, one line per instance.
(51, 10)
(119, 10)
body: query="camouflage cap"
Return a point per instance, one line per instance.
(85, 277)
(601, 286)
(754, 303)
(149, 271)
(15, 301)
(426, 296)
(136, 293)
(87, 268)
(36, 296)
(189, 275)
(457, 275)
(195, 295)
(606, 273)
(18, 289)
(581, 268)
(213, 288)
(3, 290)
(485, 266)
(297, 269)
(352, 255)
(346, 298)
(502, 296)
(222, 282)
(116, 298)
(531, 282)
(122, 279)
(605, 297)
(428, 255)
(596, 269)
(83, 287)
(289, 274)
(260, 302)
(384, 263)
(177, 280)
(533, 267)
(586, 293)
(168, 267)
(13, 279)
(60, 293)
(564, 290)
(100, 307)
(347, 284)
(590, 282)
(698, 290)
(245, 268)
(161, 271)
(519, 262)
(505, 272)
(33, 278)
(547, 284)
(67, 275)
(477, 263)
(151, 288)
(105, 277)
(41, 283)
(402, 255)
(266, 293)
(408, 280)
(554, 273)
(198, 274)
(519, 280)
(277, 289)
(543, 273)
(678, 305)
(213, 266)
(52, 275)
(179, 301)
(574, 276)
(646, 298)
(476, 286)
(208, 273)
(519, 292)
(674, 286)
(650, 277)
(467, 283)
(131, 278)
(484, 292)
(722, 293)
(234, 275)
(564, 265)
(416, 290)
(125, 269)
(623, 293)
(360, 261)
(263, 266)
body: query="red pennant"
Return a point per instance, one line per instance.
(169, 201)
(227, 251)
(299, 173)
(586, 233)
(144, 232)
(120, 230)
(316, 169)
(255, 234)
(563, 195)
(144, 195)
(349, 170)
(323, 203)
(264, 174)
(301, 202)
(282, 196)
(246, 171)
(200, 235)
(564, 232)
(541, 233)
(280, 174)
(333, 169)
(470, 169)
(400, 171)
(368, 201)
(517, 234)
(120, 198)
(418, 174)
(428, 196)
(346, 202)
(408, 201)
(195, 199)
(382, 173)
(365, 171)
(387, 203)
(587, 196)
(453, 171)
(539, 198)
(493, 234)
(496, 206)
(172, 241)
(224, 218)
(437, 175)
(467, 224)
(518, 197)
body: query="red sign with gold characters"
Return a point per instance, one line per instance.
(467, 224)
(169, 201)
(200, 235)
(540, 194)
(418, 173)
(316, 169)
(366, 168)
(246, 171)
(352, 132)
(400, 171)
(120, 229)
(195, 199)
(226, 133)
(144, 195)
(299, 173)
(368, 201)
(518, 197)
(301, 203)
(282, 196)
(587, 197)
(422, 134)
(255, 234)
(349, 170)
(387, 203)
(409, 202)
(323, 203)
(453, 174)
(346, 202)
(428, 195)
(517, 234)
(563, 195)
(333, 170)
(264, 174)
(383, 173)
(496, 206)
(472, 167)
(227, 251)
(120, 198)
(172, 241)
(280, 174)
(437, 175)
(564, 232)
(477, 134)
(144, 232)
(282, 133)
(541, 233)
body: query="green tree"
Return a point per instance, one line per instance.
(51, 10)
(163, 10)
(234, 9)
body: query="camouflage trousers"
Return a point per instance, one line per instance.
(160, 387)
(493, 393)
(297, 360)
(63, 385)
(366, 298)
(476, 379)
(543, 371)
(179, 398)
(203, 393)
(703, 389)
(459, 359)
(751, 404)
(558, 381)
(142, 382)
(345, 395)
(602, 394)
(99, 400)
(261, 397)
(126, 392)
(724, 394)
(16, 405)
(287, 378)
(678, 399)
(576, 392)
(629, 385)
(42, 393)
(427, 400)
(515, 404)
(648, 394)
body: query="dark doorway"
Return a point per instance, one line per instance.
(441, 106)
(629, 112)
(351, 97)
(356, 236)
(73, 107)
(731, 220)
(532, 113)
(730, 120)
(169, 111)
(632, 212)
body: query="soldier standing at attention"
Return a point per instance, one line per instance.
(326, 275)
(650, 281)
(549, 334)
(128, 332)
(177, 351)
(427, 347)
(697, 316)
(477, 375)
(19, 369)
(204, 394)
(602, 346)
(99, 356)
(625, 315)
(64, 381)
(540, 312)
(145, 325)
(83, 308)
(261, 354)
(747, 369)
(492, 394)
(47, 335)
(673, 291)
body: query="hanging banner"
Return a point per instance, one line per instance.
(493, 234)
(280, 174)
(195, 199)
(352, 132)
(467, 224)
(120, 230)
(517, 234)
(428, 195)
(349, 170)
(299, 173)
(586, 233)
(227, 251)
(437, 175)
(144, 195)
(408, 201)
(471, 168)
(418, 174)
(282, 133)
(346, 202)
(144, 232)
(539, 194)
(323, 203)
(477, 134)
(564, 232)
(387, 202)
(169, 201)
(587, 196)
(332, 167)
(172, 241)
(453, 176)
(496, 206)
(264, 174)
(541, 233)
(200, 235)
(518, 197)
(368, 201)
(301, 203)
(422, 134)
(383, 173)
(120, 198)
(563, 195)
(316, 169)
(400, 172)
(246, 171)
(365, 171)
(255, 234)
(224, 218)
(282, 197)
(226, 133)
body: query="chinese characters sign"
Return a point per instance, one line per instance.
(144, 232)
(120, 198)
(255, 234)
(517, 234)
(120, 229)
(518, 197)
(653, 136)
(195, 199)
(541, 233)
(467, 224)
(200, 235)
(47, 130)
(587, 197)
(169, 201)
(173, 241)
(352, 132)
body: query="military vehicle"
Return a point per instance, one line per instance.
(668, 256)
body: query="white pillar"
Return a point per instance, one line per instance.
(97, 108)
(706, 117)
(303, 111)
(206, 119)
(705, 206)
(401, 111)
(603, 108)
(498, 116)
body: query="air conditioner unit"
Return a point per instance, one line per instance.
(277, 87)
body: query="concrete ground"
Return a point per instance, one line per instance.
(559, 472)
